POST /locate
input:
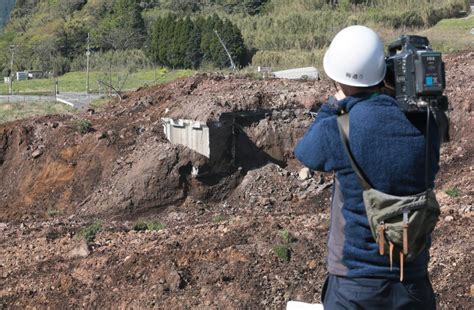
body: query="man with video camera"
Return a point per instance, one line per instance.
(385, 161)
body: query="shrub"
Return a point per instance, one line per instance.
(84, 126)
(453, 192)
(282, 252)
(152, 226)
(285, 235)
(88, 233)
(53, 212)
(218, 219)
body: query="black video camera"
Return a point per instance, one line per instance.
(416, 74)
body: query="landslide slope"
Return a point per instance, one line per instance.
(123, 160)
(254, 237)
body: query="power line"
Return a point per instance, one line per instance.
(232, 64)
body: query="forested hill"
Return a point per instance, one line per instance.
(6, 6)
(51, 35)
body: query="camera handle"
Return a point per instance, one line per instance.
(404, 41)
(396, 46)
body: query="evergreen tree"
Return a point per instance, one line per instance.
(193, 55)
(210, 45)
(185, 43)
(232, 38)
(164, 42)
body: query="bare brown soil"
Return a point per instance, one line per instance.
(218, 247)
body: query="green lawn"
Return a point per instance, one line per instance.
(76, 81)
(13, 111)
(451, 35)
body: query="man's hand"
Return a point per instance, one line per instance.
(339, 95)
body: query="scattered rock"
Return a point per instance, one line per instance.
(83, 275)
(80, 251)
(100, 135)
(304, 174)
(37, 153)
(312, 264)
(449, 218)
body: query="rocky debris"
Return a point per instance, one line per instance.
(216, 94)
(304, 174)
(37, 153)
(216, 247)
(80, 251)
(449, 218)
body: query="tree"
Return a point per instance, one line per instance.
(186, 6)
(123, 28)
(193, 55)
(185, 43)
(210, 45)
(67, 7)
(232, 37)
(163, 37)
(72, 37)
(253, 7)
(128, 14)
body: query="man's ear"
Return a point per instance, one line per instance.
(343, 88)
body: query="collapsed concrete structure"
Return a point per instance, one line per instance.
(242, 125)
(192, 134)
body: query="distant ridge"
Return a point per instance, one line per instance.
(6, 6)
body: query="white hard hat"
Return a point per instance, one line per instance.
(356, 57)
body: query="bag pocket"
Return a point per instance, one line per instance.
(401, 219)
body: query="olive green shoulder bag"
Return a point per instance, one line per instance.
(398, 223)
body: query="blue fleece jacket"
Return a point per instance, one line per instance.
(390, 150)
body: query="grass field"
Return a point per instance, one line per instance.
(13, 111)
(452, 35)
(76, 81)
(447, 36)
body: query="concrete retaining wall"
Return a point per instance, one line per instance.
(192, 134)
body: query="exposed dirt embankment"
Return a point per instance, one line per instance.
(47, 164)
(251, 237)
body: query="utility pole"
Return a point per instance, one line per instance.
(232, 64)
(88, 54)
(12, 50)
(154, 63)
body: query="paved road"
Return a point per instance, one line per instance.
(76, 100)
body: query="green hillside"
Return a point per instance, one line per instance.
(51, 35)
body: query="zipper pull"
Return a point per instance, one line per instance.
(401, 265)
(381, 237)
(391, 254)
(405, 232)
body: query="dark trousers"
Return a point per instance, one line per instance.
(367, 293)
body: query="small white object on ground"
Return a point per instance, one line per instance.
(309, 73)
(304, 174)
(298, 305)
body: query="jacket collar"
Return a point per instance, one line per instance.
(349, 102)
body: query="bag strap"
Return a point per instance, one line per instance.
(427, 150)
(343, 126)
